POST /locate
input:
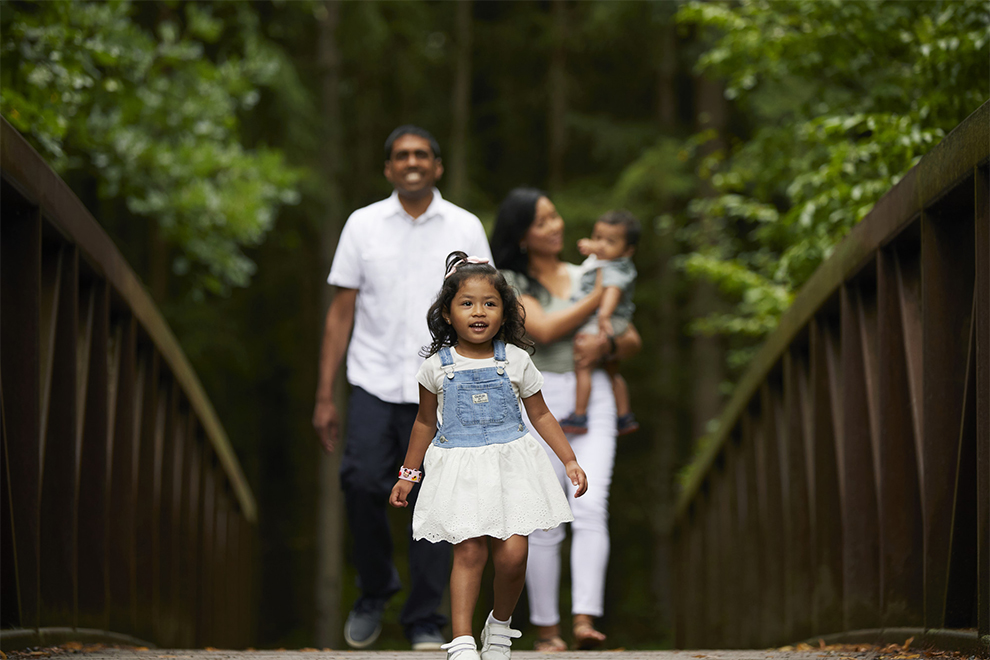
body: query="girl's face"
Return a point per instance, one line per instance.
(546, 235)
(476, 314)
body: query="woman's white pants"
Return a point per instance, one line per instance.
(595, 452)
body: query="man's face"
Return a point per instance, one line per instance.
(413, 169)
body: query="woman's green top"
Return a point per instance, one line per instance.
(556, 357)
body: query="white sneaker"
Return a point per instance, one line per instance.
(496, 641)
(462, 648)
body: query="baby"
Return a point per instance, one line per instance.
(610, 248)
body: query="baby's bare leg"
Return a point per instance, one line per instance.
(619, 388)
(582, 381)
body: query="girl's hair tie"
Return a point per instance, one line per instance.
(462, 261)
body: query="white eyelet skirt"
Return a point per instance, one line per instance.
(495, 490)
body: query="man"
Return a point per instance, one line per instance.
(388, 268)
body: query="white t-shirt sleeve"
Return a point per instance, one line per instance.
(530, 378)
(346, 268)
(430, 374)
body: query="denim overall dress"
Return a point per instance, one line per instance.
(479, 405)
(497, 481)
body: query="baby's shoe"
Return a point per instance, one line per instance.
(496, 639)
(626, 424)
(461, 648)
(574, 423)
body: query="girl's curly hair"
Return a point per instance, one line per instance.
(513, 330)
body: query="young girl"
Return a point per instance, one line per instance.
(487, 479)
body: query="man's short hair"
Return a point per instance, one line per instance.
(627, 221)
(409, 129)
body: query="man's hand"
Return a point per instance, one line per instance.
(327, 424)
(400, 493)
(336, 335)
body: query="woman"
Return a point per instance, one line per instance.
(526, 244)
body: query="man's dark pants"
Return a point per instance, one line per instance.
(377, 439)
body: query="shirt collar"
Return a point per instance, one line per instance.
(431, 211)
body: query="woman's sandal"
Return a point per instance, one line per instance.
(550, 645)
(586, 637)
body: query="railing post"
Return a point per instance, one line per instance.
(982, 201)
(59, 318)
(860, 524)
(947, 302)
(900, 476)
(827, 500)
(93, 476)
(20, 279)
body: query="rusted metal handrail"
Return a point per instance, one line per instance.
(124, 508)
(848, 487)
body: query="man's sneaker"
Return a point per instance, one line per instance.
(363, 627)
(496, 640)
(574, 423)
(427, 639)
(462, 648)
(626, 424)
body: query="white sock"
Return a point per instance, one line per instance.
(492, 619)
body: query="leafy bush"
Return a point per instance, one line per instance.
(152, 114)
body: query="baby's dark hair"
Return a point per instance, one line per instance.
(513, 330)
(627, 221)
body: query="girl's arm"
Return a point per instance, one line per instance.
(546, 328)
(424, 428)
(546, 425)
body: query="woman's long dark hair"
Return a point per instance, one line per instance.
(513, 330)
(515, 216)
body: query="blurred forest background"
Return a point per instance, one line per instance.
(222, 144)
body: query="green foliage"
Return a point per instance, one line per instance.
(841, 99)
(153, 114)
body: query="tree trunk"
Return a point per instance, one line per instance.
(158, 264)
(329, 551)
(461, 105)
(557, 88)
(708, 352)
(666, 77)
(664, 454)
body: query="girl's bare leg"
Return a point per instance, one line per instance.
(470, 557)
(510, 573)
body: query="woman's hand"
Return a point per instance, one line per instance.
(400, 493)
(589, 349)
(577, 477)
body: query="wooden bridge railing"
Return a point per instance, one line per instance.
(124, 510)
(848, 488)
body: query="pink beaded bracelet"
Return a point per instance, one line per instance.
(410, 475)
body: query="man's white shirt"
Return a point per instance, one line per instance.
(396, 263)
